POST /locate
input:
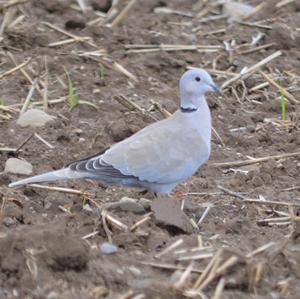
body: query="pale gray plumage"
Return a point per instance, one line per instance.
(159, 156)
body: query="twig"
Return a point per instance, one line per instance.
(184, 276)
(114, 221)
(258, 48)
(20, 66)
(260, 249)
(250, 70)
(29, 96)
(218, 136)
(169, 248)
(199, 256)
(46, 83)
(255, 160)
(23, 143)
(24, 73)
(8, 149)
(59, 189)
(213, 261)
(140, 222)
(233, 193)
(73, 36)
(250, 200)
(90, 235)
(123, 13)
(283, 3)
(106, 229)
(280, 88)
(43, 140)
(205, 213)
(132, 106)
(161, 109)
(169, 266)
(121, 69)
(219, 289)
(254, 25)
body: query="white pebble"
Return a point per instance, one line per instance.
(108, 248)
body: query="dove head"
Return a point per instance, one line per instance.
(193, 85)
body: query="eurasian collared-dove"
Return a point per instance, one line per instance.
(161, 155)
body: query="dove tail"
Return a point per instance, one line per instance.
(62, 174)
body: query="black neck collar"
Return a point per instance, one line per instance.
(188, 110)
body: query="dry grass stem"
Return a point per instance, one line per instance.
(259, 48)
(288, 95)
(215, 260)
(145, 219)
(90, 235)
(132, 106)
(118, 67)
(260, 249)
(257, 25)
(199, 256)
(29, 96)
(43, 140)
(115, 222)
(59, 189)
(203, 216)
(259, 201)
(255, 160)
(46, 83)
(123, 13)
(8, 149)
(169, 266)
(181, 281)
(283, 3)
(218, 136)
(73, 37)
(165, 113)
(219, 289)
(106, 229)
(165, 47)
(252, 69)
(7, 19)
(169, 248)
(23, 72)
(16, 68)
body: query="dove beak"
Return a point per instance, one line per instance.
(215, 88)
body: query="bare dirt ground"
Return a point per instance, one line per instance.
(49, 240)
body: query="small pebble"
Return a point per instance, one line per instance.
(8, 221)
(34, 118)
(108, 248)
(238, 130)
(18, 166)
(126, 204)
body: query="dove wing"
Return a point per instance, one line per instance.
(164, 152)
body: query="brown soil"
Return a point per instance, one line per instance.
(42, 253)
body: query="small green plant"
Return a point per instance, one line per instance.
(282, 105)
(72, 96)
(101, 72)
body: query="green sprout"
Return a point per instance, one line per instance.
(282, 105)
(101, 72)
(72, 96)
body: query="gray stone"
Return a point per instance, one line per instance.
(18, 166)
(8, 221)
(34, 118)
(126, 204)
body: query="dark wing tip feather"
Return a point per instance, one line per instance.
(96, 167)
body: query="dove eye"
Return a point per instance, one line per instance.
(197, 79)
